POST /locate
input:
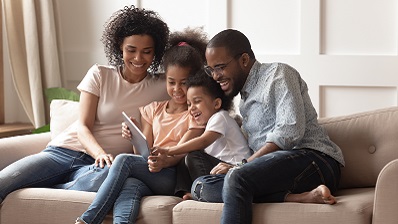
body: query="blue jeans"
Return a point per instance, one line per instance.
(128, 181)
(196, 164)
(269, 178)
(54, 167)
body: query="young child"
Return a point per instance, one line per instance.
(164, 124)
(222, 139)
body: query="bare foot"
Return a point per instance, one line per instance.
(78, 221)
(187, 196)
(319, 195)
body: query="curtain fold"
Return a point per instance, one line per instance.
(33, 53)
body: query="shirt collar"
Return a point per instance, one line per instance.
(251, 79)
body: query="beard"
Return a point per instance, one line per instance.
(237, 84)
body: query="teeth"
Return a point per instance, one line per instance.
(178, 97)
(196, 114)
(137, 66)
(223, 83)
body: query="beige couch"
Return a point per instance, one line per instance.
(368, 189)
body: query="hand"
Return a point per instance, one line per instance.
(158, 150)
(156, 162)
(126, 131)
(221, 168)
(103, 158)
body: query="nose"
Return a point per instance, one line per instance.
(191, 108)
(177, 87)
(138, 56)
(216, 75)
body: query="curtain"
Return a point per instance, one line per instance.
(29, 27)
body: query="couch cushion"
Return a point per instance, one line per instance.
(368, 141)
(45, 206)
(17, 147)
(353, 206)
(62, 114)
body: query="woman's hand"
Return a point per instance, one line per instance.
(221, 168)
(103, 159)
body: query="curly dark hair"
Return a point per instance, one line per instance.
(134, 21)
(186, 49)
(211, 87)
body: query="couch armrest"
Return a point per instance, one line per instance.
(385, 203)
(14, 148)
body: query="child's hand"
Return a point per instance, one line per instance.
(156, 162)
(221, 168)
(158, 150)
(126, 131)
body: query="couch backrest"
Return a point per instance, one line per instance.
(368, 140)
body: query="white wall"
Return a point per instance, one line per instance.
(346, 50)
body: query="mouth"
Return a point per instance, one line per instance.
(224, 84)
(179, 97)
(137, 65)
(196, 115)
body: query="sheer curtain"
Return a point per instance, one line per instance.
(29, 26)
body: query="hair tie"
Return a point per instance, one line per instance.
(183, 43)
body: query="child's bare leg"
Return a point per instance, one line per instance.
(319, 195)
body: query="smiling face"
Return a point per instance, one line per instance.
(201, 105)
(138, 54)
(232, 77)
(176, 83)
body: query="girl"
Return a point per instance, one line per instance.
(164, 124)
(222, 139)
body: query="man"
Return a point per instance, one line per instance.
(294, 160)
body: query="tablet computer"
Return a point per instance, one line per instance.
(138, 138)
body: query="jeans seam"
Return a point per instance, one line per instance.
(100, 211)
(328, 166)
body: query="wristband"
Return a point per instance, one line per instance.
(244, 161)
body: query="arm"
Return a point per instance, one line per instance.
(87, 112)
(223, 168)
(290, 98)
(146, 129)
(267, 148)
(201, 142)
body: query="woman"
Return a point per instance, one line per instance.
(134, 41)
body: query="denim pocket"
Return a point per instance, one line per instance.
(309, 178)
